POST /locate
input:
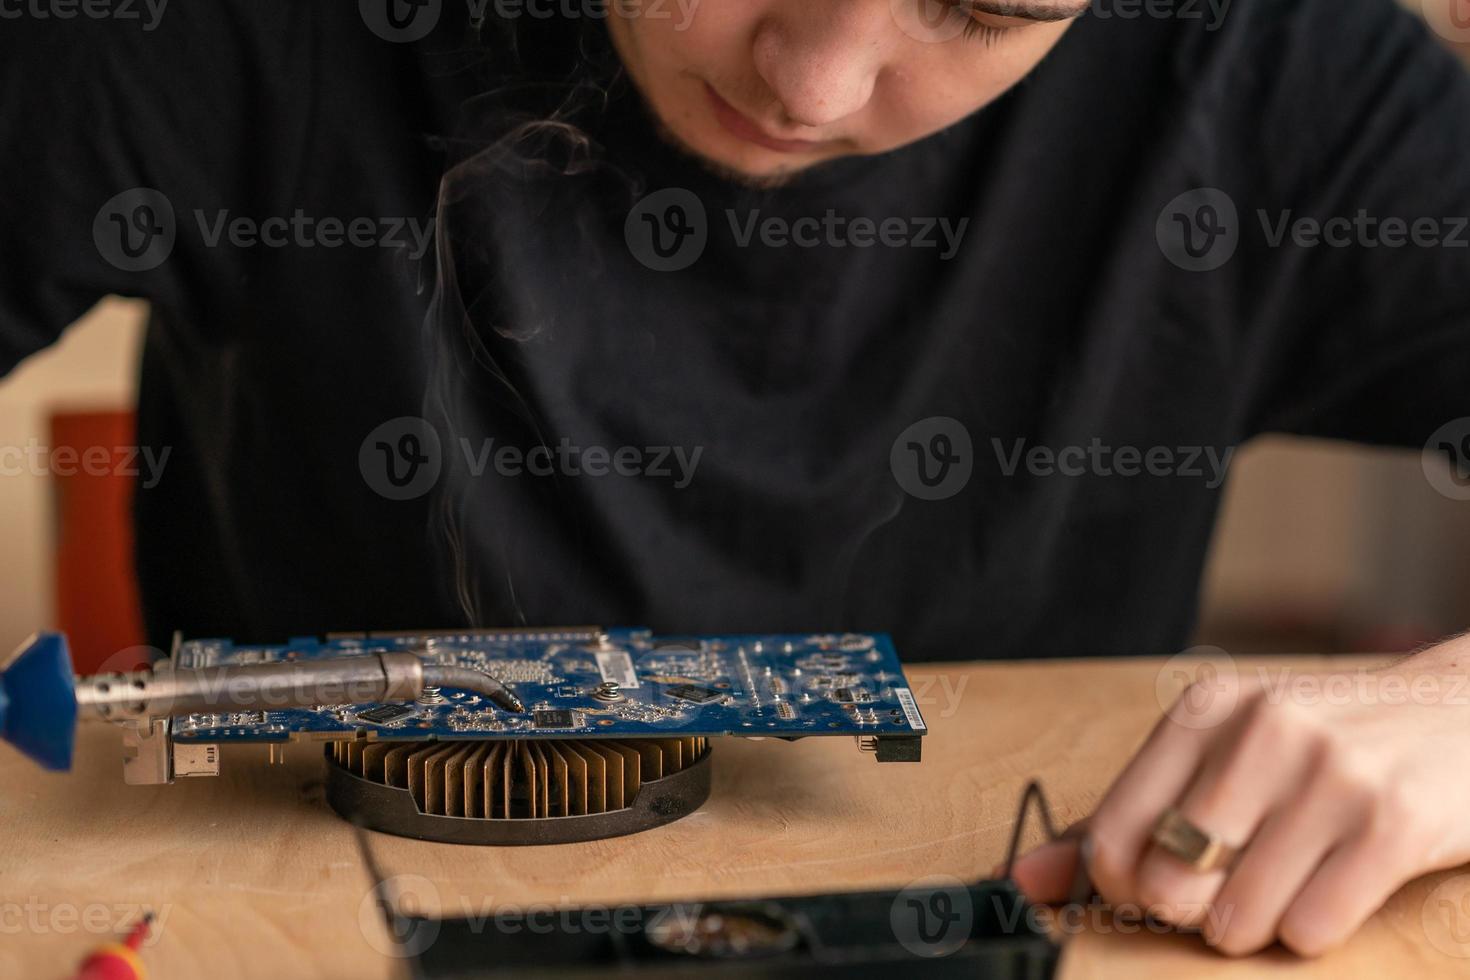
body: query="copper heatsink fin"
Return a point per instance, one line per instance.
(535, 778)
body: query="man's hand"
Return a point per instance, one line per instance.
(1337, 789)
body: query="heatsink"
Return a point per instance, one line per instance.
(523, 791)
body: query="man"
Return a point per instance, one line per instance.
(754, 314)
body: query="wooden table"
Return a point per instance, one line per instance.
(253, 876)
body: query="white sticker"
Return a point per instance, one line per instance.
(910, 709)
(617, 667)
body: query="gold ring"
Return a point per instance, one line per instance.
(1202, 851)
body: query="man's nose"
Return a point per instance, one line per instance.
(822, 58)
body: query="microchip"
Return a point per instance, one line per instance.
(695, 693)
(385, 713)
(847, 695)
(555, 718)
(678, 646)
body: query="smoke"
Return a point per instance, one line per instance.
(523, 153)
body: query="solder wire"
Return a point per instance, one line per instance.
(1033, 797)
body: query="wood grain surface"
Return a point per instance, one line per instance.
(251, 875)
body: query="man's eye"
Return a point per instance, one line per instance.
(984, 27)
(984, 32)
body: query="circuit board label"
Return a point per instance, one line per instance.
(617, 667)
(910, 709)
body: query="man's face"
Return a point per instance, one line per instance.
(766, 88)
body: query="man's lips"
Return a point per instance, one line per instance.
(741, 126)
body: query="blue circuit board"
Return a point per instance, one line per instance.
(783, 686)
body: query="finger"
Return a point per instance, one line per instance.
(1351, 884)
(1282, 857)
(1243, 777)
(1153, 780)
(1047, 873)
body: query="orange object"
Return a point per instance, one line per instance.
(118, 961)
(97, 604)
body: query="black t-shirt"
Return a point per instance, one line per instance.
(977, 392)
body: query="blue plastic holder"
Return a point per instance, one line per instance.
(38, 702)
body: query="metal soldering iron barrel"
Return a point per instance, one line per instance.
(177, 691)
(346, 680)
(444, 675)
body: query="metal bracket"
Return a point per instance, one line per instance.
(147, 753)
